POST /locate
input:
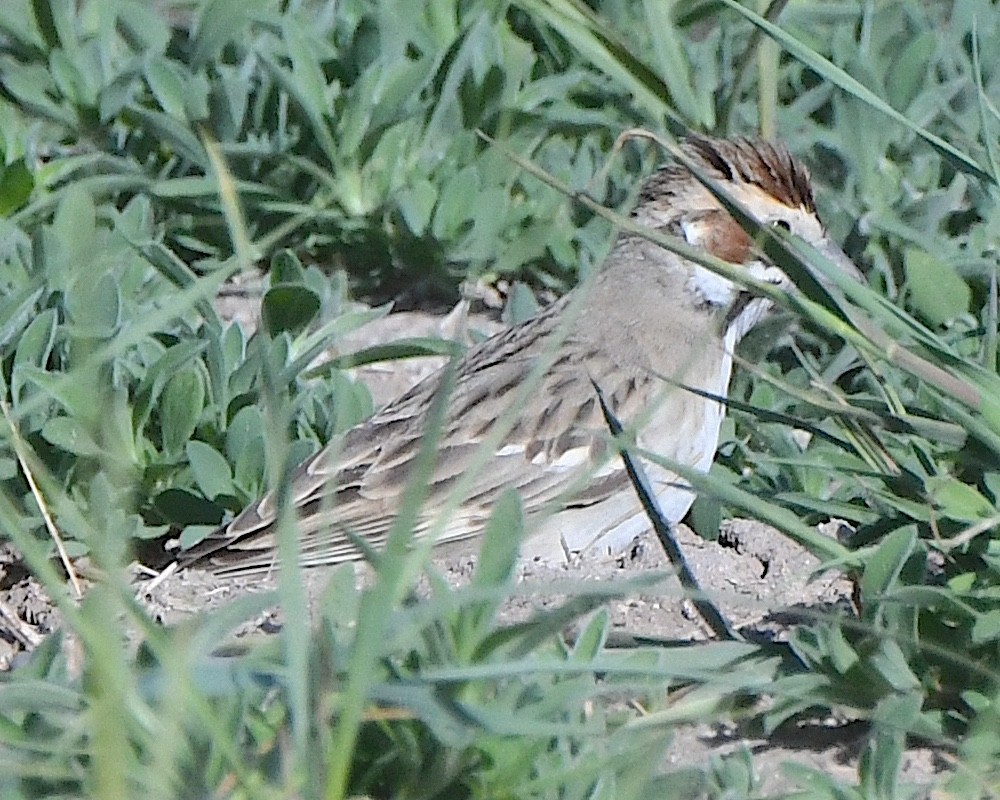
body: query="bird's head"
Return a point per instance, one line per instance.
(761, 177)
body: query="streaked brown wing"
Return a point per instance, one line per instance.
(355, 484)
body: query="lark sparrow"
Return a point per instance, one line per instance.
(647, 325)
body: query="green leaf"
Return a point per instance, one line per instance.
(417, 347)
(181, 507)
(890, 661)
(957, 500)
(590, 642)
(68, 79)
(233, 347)
(76, 396)
(32, 85)
(173, 134)
(416, 204)
(289, 308)
(705, 517)
(309, 80)
(74, 227)
(45, 22)
(193, 534)
(286, 268)
(675, 69)
(167, 85)
(986, 628)
(219, 22)
(934, 290)
(34, 348)
(144, 26)
(69, 435)
(245, 449)
(16, 185)
(8, 468)
(840, 651)
(210, 468)
(17, 311)
(909, 69)
(180, 409)
(197, 187)
(196, 96)
(883, 568)
(850, 85)
(501, 541)
(246, 427)
(94, 306)
(458, 198)
(521, 304)
(140, 530)
(147, 394)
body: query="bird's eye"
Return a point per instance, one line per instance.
(783, 224)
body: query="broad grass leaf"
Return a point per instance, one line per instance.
(143, 25)
(32, 86)
(70, 77)
(416, 347)
(16, 185)
(908, 71)
(310, 84)
(894, 718)
(521, 304)
(33, 347)
(416, 204)
(891, 664)
(219, 22)
(958, 500)
(675, 69)
(856, 89)
(246, 427)
(210, 468)
(986, 628)
(883, 567)
(199, 187)
(233, 346)
(839, 649)
(458, 198)
(39, 697)
(289, 308)
(173, 134)
(246, 449)
(74, 228)
(196, 96)
(70, 435)
(167, 85)
(192, 534)
(705, 517)
(286, 268)
(500, 542)
(17, 309)
(180, 408)
(94, 306)
(934, 290)
(181, 507)
(591, 640)
(172, 360)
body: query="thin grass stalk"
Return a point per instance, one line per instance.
(377, 604)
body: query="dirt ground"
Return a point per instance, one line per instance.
(761, 581)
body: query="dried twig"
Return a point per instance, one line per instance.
(22, 449)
